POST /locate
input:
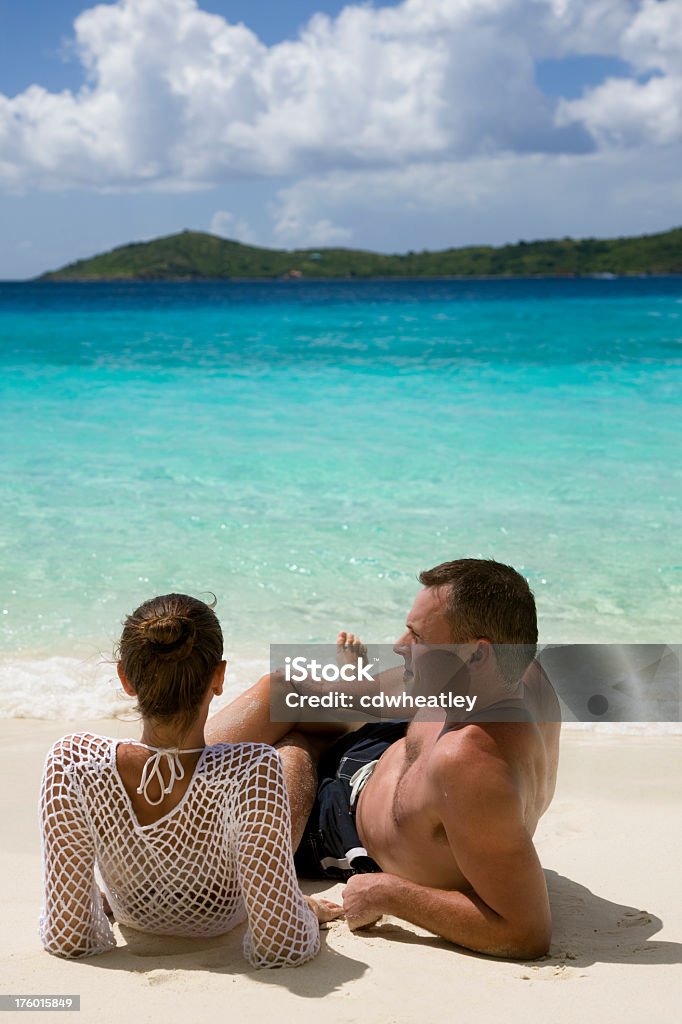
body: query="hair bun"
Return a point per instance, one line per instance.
(170, 637)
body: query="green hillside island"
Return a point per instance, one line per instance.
(194, 255)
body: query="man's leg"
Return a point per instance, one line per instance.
(299, 760)
(247, 720)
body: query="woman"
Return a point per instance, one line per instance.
(188, 838)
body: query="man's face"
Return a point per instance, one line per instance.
(426, 624)
(428, 628)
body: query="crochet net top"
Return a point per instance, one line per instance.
(222, 854)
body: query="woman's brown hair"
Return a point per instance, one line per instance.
(169, 649)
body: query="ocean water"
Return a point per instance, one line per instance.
(302, 450)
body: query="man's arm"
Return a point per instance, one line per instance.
(506, 911)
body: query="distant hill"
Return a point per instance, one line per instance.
(195, 255)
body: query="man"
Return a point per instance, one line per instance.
(447, 810)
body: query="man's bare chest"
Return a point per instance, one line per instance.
(413, 798)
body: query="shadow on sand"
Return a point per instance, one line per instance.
(587, 929)
(159, 956)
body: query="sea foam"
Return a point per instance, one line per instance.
(73, 689)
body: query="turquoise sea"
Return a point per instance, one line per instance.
(303, 450)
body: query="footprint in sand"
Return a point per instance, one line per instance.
(551, 972)
(159, 977)
(633, 918)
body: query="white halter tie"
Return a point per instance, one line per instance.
(152, 770)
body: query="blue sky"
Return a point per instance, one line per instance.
(392, 126)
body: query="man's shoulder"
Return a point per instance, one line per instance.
(470, 762)
(463, 741)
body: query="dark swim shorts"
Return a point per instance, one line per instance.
(331, 847)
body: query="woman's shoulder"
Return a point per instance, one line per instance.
(238, 758)
(80, 747)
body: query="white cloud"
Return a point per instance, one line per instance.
(226, 225)
(428, 104)
(295, 227)
(623, 112)
(176, 97)
(493, 200)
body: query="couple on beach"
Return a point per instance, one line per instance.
(194, 827)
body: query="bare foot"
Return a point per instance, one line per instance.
(349, 649)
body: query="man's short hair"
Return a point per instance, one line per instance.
(487, 600)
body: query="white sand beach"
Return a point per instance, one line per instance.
(610, 847)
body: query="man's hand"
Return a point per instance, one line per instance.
(361, 897)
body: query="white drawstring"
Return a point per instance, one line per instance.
(359, 780)
(152, 770)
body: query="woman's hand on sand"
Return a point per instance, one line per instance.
(324, 910)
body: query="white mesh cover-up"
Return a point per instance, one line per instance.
(222, 854)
